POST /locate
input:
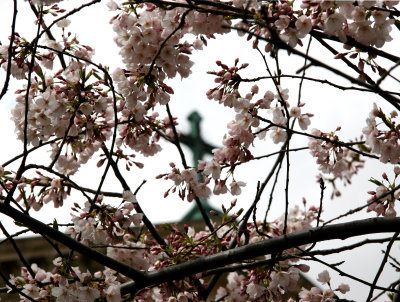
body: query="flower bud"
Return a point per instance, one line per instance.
(213, 213)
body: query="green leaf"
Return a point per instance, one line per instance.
(90, 73)
(375, 181)
(55, 224)
(384, 119)
(167, 226)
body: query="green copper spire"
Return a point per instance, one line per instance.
(194, 140)
(199, 148)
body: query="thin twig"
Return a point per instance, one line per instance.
(138, 208)
(395, 102)
(381, 267)
(268, 247)
(180, 25)
(10, 51)
(41, 228)
(355, 210)
(184, 163)
(25, 137)
(18, 251)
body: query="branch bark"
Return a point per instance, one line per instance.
(43, 229)
(266, 247)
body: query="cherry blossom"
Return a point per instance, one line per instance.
(79, 110)
(324, 277)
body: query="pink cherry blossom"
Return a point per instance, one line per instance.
(324, 277)
(236, 187)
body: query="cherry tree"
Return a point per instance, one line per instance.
(73, 110)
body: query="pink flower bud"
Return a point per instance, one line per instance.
(343, 288)
(303, 267)
(313, 209)
(227, 76)
(254, 89)
(233, 202)
(213, 213)
(339, 55)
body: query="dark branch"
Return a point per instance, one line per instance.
(266, 247)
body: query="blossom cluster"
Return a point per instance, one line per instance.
(246, 126)
(183, 245)
(367, 22)
(77, 110)
(140, 37)
(194, 182)
(100, 223)
(240, 289)
(37, 191)
(137, 126)
(327, 295)
(152, 48)
(333, 156)
(271, 282)
(67, 110)
(67, 283)
(382, 200)
(384, 142)
(52, 190)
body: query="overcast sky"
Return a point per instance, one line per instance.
(331, 107)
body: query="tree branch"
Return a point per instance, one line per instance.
(266, 247)
(10, 51)
(43, 229)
